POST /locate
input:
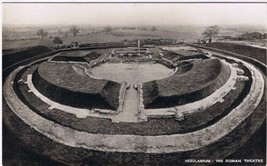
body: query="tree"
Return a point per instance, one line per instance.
(153, 28)
(42, 33)
(74, 30)
(107, 29)
(252, 36)
(57, 41)
(210, 32)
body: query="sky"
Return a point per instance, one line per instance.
(134, 13)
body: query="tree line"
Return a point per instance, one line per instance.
(57, 40)
(73, 29)
(208, 34)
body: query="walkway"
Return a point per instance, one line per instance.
(130, 107)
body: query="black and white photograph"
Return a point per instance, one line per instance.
(134, 83)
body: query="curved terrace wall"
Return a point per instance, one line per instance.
(250, 51)
(11, 57)
(213, 114)
(202, 80)
(184, 68)
(67, 58)
(78, 91)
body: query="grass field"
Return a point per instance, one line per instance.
(18, 38)
(114, 36)
(26, 36)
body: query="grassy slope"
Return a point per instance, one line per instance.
(203, 79)
(180, 55)
(12, 56)
(92, 56)
(63, 75)
(200, 76)
(61, 83)
(257, 53)
(77, 56)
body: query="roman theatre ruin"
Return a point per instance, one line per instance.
(135, 104)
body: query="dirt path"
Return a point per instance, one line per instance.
(130, 107)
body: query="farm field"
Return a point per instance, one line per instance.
(25, 37)
(114, 36)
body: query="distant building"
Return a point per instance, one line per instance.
(222, 37)
(75, 45)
